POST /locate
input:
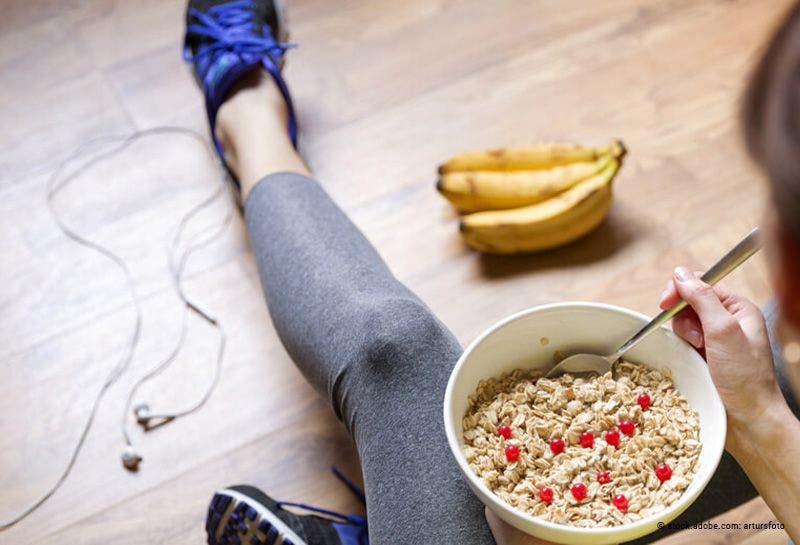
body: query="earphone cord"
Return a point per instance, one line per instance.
(176, 271)
(53, 186)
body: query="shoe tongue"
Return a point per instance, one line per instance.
(349, 534)
(265, 14)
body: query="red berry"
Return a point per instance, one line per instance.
(663, 472)
(557, 445)
(644, 401)
(604, 477)
(578, 491)
(504, 431)
(620, 502)
(586, 439)
(627, 427)
(612, 438)
(512, 453)
(546, 494)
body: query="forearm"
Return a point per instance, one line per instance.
(769, 454)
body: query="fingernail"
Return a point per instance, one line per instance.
(664, 294)
(695, 338)
(682, 274)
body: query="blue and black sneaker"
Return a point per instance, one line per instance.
(244, 515)
(227, 39)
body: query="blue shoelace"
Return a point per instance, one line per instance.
(229, 28)
(356, 520)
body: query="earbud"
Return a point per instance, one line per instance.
(130, 458)
(142, 413)
(150, 421)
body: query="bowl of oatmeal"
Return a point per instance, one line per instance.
(583, 459)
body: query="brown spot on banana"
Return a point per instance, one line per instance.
(470, 179)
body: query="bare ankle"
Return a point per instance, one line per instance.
(251, 127)
(254, 105)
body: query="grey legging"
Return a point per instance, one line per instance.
(382, 359)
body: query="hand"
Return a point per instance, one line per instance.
(505, 534)
(732, 333)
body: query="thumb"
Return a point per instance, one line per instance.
(713, 315)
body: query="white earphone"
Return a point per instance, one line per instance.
(130, 456)
(178, 247)
(141, 411)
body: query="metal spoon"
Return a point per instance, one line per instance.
(593, 363)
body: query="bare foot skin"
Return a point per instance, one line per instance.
(251, 127)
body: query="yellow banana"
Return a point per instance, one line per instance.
(497, 190)
(554, 222)
(528, 157)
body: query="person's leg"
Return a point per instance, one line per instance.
(251, 128)
(359, 336)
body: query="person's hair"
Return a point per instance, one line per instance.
(771, 116)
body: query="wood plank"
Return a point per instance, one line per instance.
(60, 284)
(174, 511)
(261, 391)
(385, 91)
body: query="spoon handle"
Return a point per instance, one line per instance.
(735, 257)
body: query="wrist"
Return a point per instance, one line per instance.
(768, 427)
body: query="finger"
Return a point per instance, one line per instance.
(734, 302)
(687, 326)
(495, 525)
(730, 300)
(714, 317)
(740, 307)
(670, 295)
(504, 534)
(747, 313)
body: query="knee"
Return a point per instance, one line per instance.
(402, 330)
(398, 346)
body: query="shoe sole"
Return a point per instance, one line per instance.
(236, 519)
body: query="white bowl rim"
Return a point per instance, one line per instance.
(458, 453)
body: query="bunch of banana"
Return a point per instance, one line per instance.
(531, 198)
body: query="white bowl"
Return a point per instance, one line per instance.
(529, 340)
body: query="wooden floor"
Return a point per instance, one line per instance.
(385, 91)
